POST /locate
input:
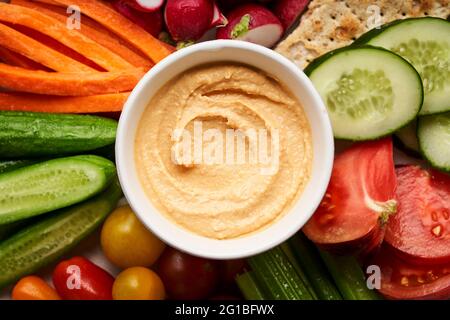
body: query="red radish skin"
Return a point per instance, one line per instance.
(188, 20)
(146, 5)
(219, 20)
(289, 10)
(252, 23)
(152, 22)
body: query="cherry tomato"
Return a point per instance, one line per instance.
(187, 277)
(33, 288)
(138, 283)
(127, 243)
(403, 280)
(80, 279)
(359, 199)
(420, 231)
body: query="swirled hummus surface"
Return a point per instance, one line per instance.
(231, 195)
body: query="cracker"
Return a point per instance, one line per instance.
(329, 24)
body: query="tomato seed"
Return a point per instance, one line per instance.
(437, 230)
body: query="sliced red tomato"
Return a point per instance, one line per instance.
(420, 230)
(358, 201)
(401, 280)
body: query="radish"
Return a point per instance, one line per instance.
(188, 20)
(289, 10)
(253, 23)
(219, 20)
(152, 22)
(146, 5)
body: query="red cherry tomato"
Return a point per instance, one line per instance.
(186, 277)
(80, 279)
(420, 230)
(405, 281)
(359, 199)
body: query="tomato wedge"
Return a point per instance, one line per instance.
(359, 199)
(401, 280)
(420, 230)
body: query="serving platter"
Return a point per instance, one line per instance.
(295, 41)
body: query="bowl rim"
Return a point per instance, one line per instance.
(185, 240)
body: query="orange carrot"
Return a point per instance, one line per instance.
(18, 101)
(68, 84)
(106, 15)
(52, 2)
(33, 288)
(15, 59)
(36, 51)
(71, 38)
(55, 45)
(93, 30)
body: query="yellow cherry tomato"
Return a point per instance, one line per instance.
(138, 283)
(127, 243)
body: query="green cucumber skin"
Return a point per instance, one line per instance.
(36, 189)
(248, 286)
(46, 241)
(278, 277)
(366, 38)
(369, 35)
(402, 145)
(10, 165)
(32, 135)
(107, 152)
(422, 143)
(349, 277)
(322, 59)
(7, 230)
(312, 264)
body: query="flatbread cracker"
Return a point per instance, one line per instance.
(329, 24)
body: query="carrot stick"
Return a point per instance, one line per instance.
(93, 30)
(15, 59)
(114, 21)
(18, 101)
(55, 45)
(52, 2)
(68, 84)
(71, 38)
(36, 51)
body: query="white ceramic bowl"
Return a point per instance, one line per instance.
(268, 61)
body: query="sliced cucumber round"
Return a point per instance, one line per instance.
(425, 43)
(406, 139)
(434, 139)
(369, 92)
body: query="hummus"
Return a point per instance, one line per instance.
(224, 199)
